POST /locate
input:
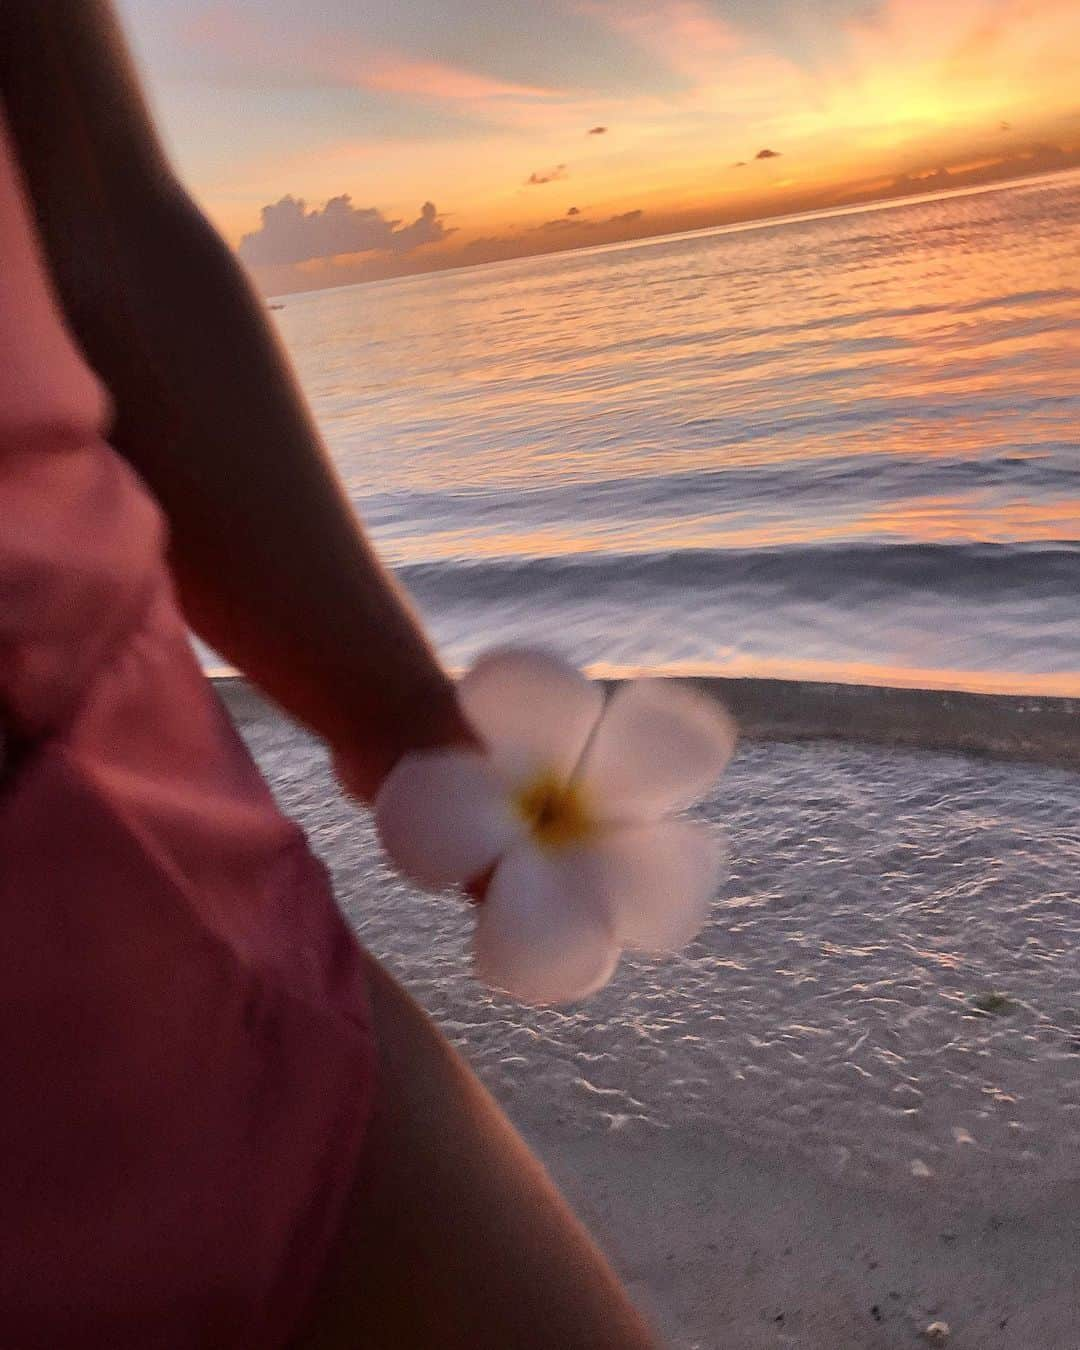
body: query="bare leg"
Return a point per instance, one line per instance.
(455, 1236)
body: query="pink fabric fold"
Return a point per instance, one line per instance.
(186, 1059)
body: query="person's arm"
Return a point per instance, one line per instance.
(271, 565)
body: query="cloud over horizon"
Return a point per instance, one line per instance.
(439, 103)
(547, 176)
(393, 249)
(290, 233)
(574, 220)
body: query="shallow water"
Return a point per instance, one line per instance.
(843, 448)
(832, 1005)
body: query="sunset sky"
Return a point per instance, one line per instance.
(342, 140)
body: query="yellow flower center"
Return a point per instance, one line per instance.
(555, 812)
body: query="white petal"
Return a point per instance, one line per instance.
(659, 747)
(443, 816)
(532, 710)
(535, 939)
(656, 881)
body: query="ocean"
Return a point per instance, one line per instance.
(838, 448)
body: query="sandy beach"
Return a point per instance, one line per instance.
(849, 1114)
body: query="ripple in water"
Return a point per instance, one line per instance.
(838, 444)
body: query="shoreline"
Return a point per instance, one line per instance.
(804, 1130)
(1019, 727)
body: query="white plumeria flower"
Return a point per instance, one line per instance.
(572, 806)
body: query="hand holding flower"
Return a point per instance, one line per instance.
(570, 813)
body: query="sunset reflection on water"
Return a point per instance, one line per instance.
(844, 448)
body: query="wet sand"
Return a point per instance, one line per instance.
(851, 1109)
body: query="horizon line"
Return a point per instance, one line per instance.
(729, 227)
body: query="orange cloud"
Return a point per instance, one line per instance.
(1000, 25)
(221, 32)
(685, 34)
(435, 79)
(721, 70)
(907, 96)
(919, 62)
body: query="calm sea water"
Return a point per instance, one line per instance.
(843, 448)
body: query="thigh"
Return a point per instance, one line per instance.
(455, 1236)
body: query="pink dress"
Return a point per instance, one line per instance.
(186, 1058)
